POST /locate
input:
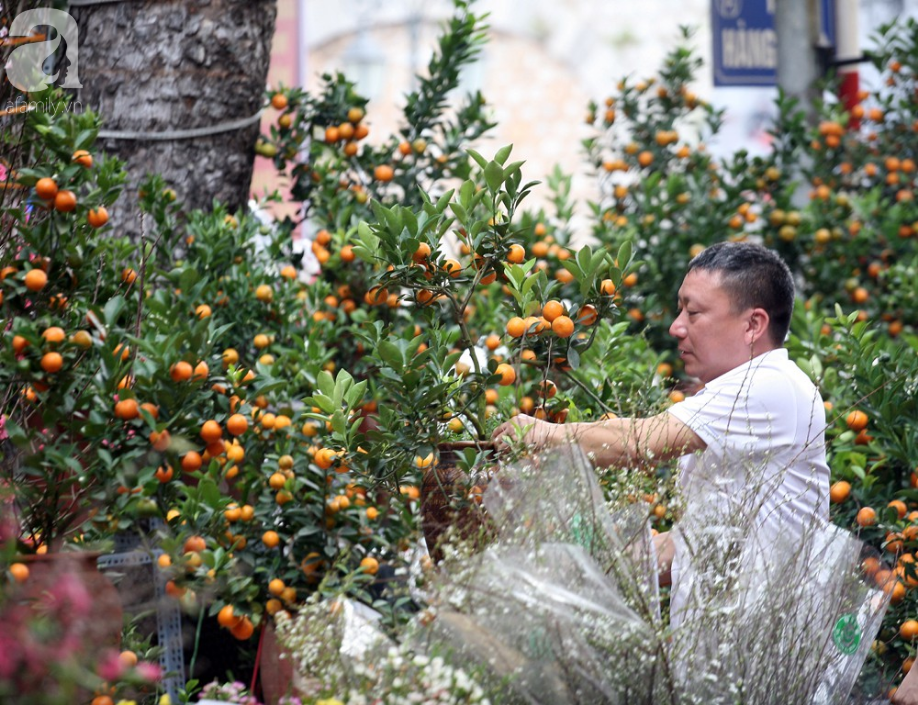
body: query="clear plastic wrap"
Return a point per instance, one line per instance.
(562, 606)
(779, 622)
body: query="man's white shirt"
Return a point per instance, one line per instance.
(763, 476)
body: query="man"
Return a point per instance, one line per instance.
(751, 442)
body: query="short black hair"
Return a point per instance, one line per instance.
(754, 277)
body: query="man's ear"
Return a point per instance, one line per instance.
(757, 326)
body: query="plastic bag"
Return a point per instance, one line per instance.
(787, 621)
(563, 605)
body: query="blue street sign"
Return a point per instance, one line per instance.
(746, 44)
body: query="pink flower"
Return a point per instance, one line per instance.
(67, 649)
(8, 647)
(111, 667)
(70, 591)
(148, 670)
(34, 657)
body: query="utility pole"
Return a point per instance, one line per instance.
(797, 29)
(848, 53)
(796, 24)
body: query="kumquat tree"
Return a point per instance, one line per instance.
(263, 439)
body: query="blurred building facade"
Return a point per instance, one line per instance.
(545, 60)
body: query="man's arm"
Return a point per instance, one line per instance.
(611, 442)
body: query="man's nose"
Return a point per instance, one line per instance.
(677, 329)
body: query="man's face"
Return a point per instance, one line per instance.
(712, 338)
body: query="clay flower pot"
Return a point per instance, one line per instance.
(451, 498)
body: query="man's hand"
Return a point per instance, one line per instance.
(536, 434)
(907, 692)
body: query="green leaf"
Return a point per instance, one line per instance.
(391, 354)
(210, 493)
(338, 422)
(494, 176)
(573, 357)
(467, 194)
(379, 210)
(355, 394)
(344, 379)
(502, 154)
(271, 386)
(338, 396)
(444, 200)
(530, 283)
(410, 221)
(585, 258)
(113, 308)
(460, 212)
(512, 168)
(515, 275)
(806, 367)
(84, 139)
(16, 433)
(624, 254)
(816, 366)
(480, 160)
(309, 530)
(325, 404)
(28, 177)
(326, 383)
(190, 276)
(600, 258)
(393, 220)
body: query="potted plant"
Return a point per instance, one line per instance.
(443, 382)
(61, 287)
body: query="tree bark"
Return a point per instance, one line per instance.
(156, 66)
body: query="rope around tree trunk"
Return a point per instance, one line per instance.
(180, 134)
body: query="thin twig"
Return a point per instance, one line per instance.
(589, 392)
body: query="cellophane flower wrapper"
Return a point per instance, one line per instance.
(325, 639)
(563, 605)
(771, 617)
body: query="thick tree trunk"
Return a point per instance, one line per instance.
(157, 66)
